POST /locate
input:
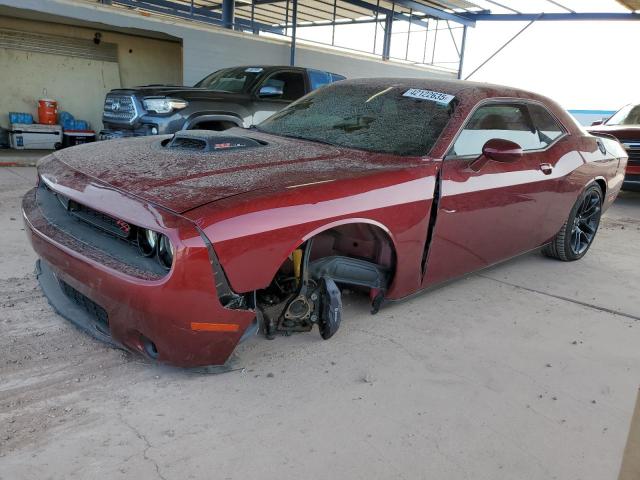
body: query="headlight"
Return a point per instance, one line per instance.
(163, 105)
(165, 252)
(147, 241)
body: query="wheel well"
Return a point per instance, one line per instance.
(361, 241)
(603, 186)
(357, 240)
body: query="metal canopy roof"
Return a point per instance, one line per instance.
(423, 18)
(278, 13)
(630, 4)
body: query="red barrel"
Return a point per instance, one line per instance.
(47, 111)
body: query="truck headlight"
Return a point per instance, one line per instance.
(163, 105)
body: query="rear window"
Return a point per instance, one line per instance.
(318, 78)
(363, 116)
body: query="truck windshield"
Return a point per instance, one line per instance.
(627, 115)
(363, 116)
(234, 80)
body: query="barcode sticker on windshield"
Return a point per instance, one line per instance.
(437, 97)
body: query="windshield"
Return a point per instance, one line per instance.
(234, 80)
(363, 116)
(628, 115)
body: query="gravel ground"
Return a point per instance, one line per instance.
(528, 370)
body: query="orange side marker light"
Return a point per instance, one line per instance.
(215, 327)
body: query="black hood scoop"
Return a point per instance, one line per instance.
(210, 141)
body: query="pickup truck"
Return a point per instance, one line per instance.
(231, 97)
(624, 125)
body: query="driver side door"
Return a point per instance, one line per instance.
(489, 211)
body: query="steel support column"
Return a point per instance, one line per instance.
(228, 13)
(386, 41)
(462, 47)
(294, 21)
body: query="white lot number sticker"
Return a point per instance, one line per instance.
(437, 97)
(253, 70)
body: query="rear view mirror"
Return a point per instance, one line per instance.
(270, 91)
(501, 150)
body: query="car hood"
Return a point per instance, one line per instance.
(621, 132)
(181, 180)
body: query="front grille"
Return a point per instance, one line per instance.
(120, 108)
(111, 225)
(634, 155)
(107, 235)
(95, 310)
(633, 150)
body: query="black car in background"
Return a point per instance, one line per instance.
(231, 97)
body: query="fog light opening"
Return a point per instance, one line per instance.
(150, 348)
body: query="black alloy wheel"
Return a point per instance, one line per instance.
(578, 232)
(585, 222)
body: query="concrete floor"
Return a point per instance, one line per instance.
(528, 370)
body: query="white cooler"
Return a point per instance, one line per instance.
(23, 136)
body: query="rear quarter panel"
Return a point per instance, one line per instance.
(608, 166)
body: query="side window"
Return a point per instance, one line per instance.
(506, 121)
(547, 127)
(291, 84)
(318, 78)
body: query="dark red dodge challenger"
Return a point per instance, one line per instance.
(181, 246)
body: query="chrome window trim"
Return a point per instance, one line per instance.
(505, 100)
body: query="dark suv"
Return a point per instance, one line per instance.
(231, 97)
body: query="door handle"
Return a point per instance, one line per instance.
(546, 168)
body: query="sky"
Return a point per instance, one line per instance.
(583, 65)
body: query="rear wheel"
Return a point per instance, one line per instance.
(578, 232)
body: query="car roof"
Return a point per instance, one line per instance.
(285, 67)
(268, 67)
(464, 90)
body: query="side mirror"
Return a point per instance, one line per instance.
(597, 122)
(270, 91)
(501, 150)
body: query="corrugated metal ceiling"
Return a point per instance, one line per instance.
(278, 12)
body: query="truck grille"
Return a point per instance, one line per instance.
(120, 108)
(633, 150)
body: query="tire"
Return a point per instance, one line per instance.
(579, 231)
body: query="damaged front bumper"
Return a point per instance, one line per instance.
(176, 318)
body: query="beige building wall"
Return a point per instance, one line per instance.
(80, 84)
